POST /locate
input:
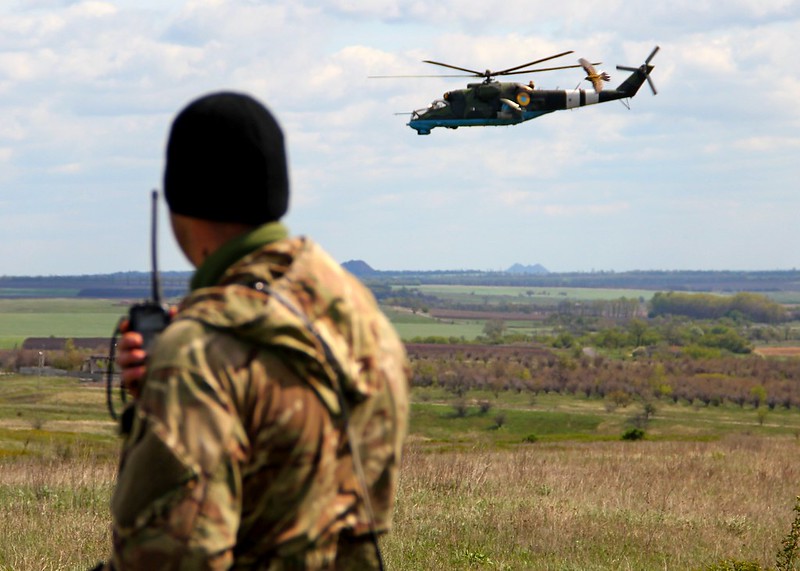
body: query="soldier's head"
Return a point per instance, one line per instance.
(226, 162)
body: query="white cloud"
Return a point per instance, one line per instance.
(89, 88)
(93, 9)
(766, 144)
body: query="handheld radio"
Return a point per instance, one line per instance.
(148, 318)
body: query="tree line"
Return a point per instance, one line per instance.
(750, 306)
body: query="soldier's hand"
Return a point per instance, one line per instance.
(131, 358)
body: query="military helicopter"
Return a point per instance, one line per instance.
(494, 103)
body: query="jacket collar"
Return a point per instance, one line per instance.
(212, 269)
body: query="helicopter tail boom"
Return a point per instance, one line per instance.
(638, 76)
(635, 80)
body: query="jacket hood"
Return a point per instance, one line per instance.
(290, 295)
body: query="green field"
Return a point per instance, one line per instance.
(785, 297)
(61, 317)
(529, 295)
(64, 408)
(65, 317)
(551, 417)
(409, 326)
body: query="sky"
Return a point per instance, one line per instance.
(703, 176)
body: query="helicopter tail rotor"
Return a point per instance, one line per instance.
(645, 69)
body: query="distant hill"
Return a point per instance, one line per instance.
(359, 268)
(536, 269)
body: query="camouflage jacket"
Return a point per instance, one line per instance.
(239, 456)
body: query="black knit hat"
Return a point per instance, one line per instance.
(226, 161)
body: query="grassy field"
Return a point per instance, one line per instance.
(596, 506)
(518, 483)
(67, 317)
(22, 318)
(528, 295)
(785, 297)
(419, 325)
(428, 327)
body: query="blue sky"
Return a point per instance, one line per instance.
(702, 176)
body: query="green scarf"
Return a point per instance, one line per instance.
(210, 271)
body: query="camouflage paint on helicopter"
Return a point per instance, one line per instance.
(493, 103)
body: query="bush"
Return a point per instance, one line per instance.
(633, 434)
(460, 408)
(732, 565)
(531, 438)
(787, 556)
(695, 351)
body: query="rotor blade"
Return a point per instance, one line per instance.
(541, 69)
(478, 73)
(626, 68)
(652, 54)
(652, 85)
(505, 71)
(407, 76)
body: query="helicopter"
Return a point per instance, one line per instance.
(495, 103)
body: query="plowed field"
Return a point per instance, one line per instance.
(779, 351)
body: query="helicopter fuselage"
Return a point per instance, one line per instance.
(494, 103)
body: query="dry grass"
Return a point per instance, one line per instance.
(54, 511)
(648, 505)
(612, 505)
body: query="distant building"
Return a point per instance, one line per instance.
(59, 343)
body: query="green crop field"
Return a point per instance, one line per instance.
(22, 318)
(785, 297)
(433, 328)
(539, 295)
(421, 325)
(61, 317)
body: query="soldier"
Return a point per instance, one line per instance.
(270, 414)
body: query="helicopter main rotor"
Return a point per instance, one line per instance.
(489, 74)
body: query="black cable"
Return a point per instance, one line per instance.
(112, 351)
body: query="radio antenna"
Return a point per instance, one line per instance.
(154, 250)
